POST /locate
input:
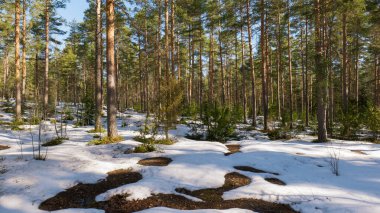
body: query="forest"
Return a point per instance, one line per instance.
(190, 106)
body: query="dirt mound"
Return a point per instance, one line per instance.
(232, 181)
(275, 181)
(83, 195)
(158, 161)
(232, 148)
(2, 147)
(119, 204)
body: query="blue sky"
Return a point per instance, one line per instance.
(74, 11)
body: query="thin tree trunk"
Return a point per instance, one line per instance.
(321, 83)
(46, 74)
(344, 73)
(243, 77)
(200, 68)
(24, 50)
(278, 59)
(17, 61)
(307, 106)
(111, 72)
(159, 56)
(263, 65)
(98, 67)
(290, 72)
(252, 65)
(221, 65)
(211, 66)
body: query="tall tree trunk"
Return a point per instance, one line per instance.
(252, 65)
(321, 82)
(278, 60)
(200, 100)
(46, 74)
(344, 73)
(263, 65)
(331, 84)
(307, 103)
(98, 67)
(303, 94)
(211, 66)
(377, 81)
(357, 53)
(290, 71)
(24, 50)
(166, 41)
(172, 36)
(159, 56)
(236, 100)
(17, 61)
(222, 75)
(111, 72)
(243, 77)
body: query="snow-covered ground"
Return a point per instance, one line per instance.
(302, 165)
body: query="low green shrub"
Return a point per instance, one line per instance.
(144, 148)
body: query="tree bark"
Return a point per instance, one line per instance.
(290, 72)
(98, 67)
(251, 63)
(344, 72)
(278, 60)
(321, 82)
(111, 71)
(17, 61)
(46, 73)
(243, 77)
(307, 103)
(24, 50)
(263, 66)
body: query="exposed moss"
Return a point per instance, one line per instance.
(154, 141)
(106, 140)
(143, 148)
(102, 130)
(55, 141)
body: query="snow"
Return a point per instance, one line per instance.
(302, 165)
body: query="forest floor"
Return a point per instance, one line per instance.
(254, 174)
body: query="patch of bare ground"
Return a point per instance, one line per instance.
(157, 161)
(254, 170)
(119, 204)
(276, 181)
(232, 181)
(83, 195)
(359, 152)
(212, 198)
(2, 147)
(232, 148)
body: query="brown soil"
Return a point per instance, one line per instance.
(158, 161)
(232, 181)
(2, 147)
(83, 195)
(212, 199)
(359, 152)
(233, 148)
(119, 204)
(275, 181)
(254, 170)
